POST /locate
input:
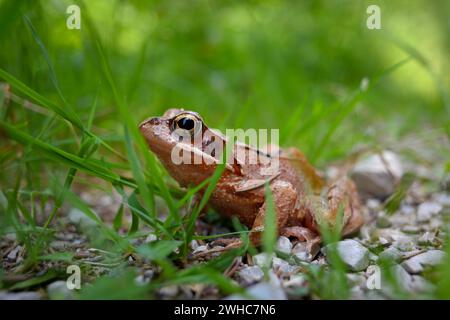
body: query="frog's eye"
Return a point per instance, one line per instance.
(187, 122)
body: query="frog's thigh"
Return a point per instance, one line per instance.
(299, 160)
(284, 198)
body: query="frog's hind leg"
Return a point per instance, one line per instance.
(324, 211)
(343, 194)
(284, 199)
(301, 163)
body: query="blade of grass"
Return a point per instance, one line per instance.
(269, 236)
(46, 56)
(68, 115)
(138, 175)
(209, 190)
(67, 158)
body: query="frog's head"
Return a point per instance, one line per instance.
(179, 139)
(163, 133)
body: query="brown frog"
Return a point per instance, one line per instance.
(300, 199)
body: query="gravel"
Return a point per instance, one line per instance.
(376, 175)
(417, 263)
(353, 254)
(251, 274)
(284, 245)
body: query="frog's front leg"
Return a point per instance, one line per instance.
(284, 199)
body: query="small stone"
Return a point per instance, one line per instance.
(300, 250)
(59, 245)
(420, 284)
(356, 293)
(270, 290)
(377, 175)
(403, 278)
(150, 238)
(373, 257)
(390, 235)
(391, 254)
(193, 244)
(14, 253)
(140, 280)
(284, 245)
(442, 198)
(295, 280)
(435, 223)
(58, 291)
(428, 209)
(321, 261)
(352, 253)
(384, 241)
(426, 239)
(404, 243)
(407, 209)
(169, 291)
(148, 274)
(373, 204)
(201, 248)
(401, 220)
(10, 236)
(282, 266)
(417, 263)
(251, 274)
(261, 259)
(357, 279)
(77, 216)
(24, 295)
(145, 277)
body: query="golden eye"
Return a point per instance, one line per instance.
(187, 122)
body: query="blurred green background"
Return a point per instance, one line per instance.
(263, 64)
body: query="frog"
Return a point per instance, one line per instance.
(302, 200)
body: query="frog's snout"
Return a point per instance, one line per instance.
(149, 122)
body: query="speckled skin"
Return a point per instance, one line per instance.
(298, 207)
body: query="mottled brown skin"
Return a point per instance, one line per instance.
(240, 191)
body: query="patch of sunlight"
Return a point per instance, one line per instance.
(238, 18)
(421, 34)
(136, 27)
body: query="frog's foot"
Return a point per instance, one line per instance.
(302, 234)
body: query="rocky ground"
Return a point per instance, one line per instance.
(404, 234)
